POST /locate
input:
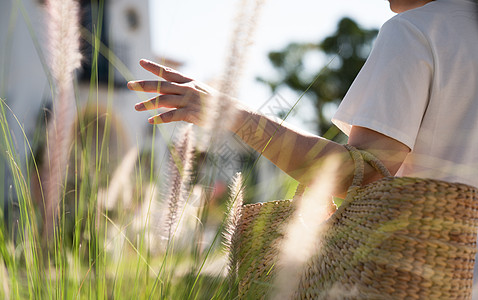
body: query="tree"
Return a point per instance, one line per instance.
(348, 48)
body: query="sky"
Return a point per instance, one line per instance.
(198, 33)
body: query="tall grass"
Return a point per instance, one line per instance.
(231, 235)
(65, 57)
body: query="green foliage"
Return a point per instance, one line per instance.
(348, 48)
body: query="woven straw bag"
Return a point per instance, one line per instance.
(396, 238)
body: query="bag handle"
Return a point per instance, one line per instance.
(360, 157)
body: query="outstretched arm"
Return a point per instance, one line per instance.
(297, 153)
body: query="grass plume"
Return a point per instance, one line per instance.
(241, 40)
(65, 57)
(234, 211)
(180, 168)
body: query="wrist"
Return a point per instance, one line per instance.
(240, 114)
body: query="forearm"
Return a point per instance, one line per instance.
(298, 154)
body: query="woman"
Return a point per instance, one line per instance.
(414, 104)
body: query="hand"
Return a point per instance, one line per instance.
(188, 99)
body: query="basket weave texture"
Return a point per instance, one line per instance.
(260, 233)
(396, 238)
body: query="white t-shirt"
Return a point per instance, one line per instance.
(420, 87)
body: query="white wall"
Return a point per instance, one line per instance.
(22, 78)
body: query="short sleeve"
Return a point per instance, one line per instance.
(391, 92)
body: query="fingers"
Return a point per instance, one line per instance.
(156, 86)
(164, 72)
(185, 96)
(174, 115)
(165, 101)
